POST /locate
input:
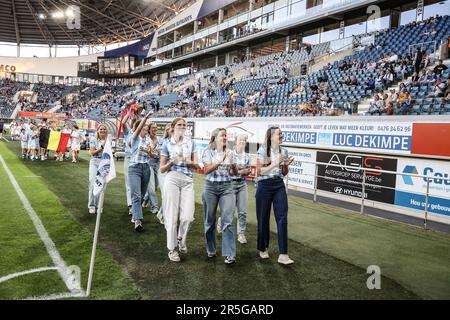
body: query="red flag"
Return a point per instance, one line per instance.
(62, 146)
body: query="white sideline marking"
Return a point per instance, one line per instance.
(57, 296)
(60, 264)
(23, 273)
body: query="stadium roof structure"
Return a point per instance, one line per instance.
(101, 21)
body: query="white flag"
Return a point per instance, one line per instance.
(106, 170)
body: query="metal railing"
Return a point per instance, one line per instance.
(423, 46)
(364, 184)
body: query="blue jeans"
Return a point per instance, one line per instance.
(271, 192)
(153, 184)
(93, 167)
(240, 189)
(219, 194)
(138, 177)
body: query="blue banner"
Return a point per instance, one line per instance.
(372, 141)
(299, 137)
(139, 49)
(417, 201)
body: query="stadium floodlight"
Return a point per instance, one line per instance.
(58, 14)
(42, 16)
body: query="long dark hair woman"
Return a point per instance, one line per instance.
(272, 166)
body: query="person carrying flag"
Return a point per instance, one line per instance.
(96, 146)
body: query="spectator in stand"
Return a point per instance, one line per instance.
(438, 89)
(425, 59)
(389, 109)
(431, 77)
(376, 106)
(439, 68)
(405, 106)
(388, 78)
(414, 79)
(417, 60)
(379, 81)
(423, 78)
(370, 84)
(392, 96)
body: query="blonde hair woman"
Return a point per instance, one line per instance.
(178, 160)
(96, 145)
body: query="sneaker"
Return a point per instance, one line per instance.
(160, 216)
(154, 210)
(284, 259)
(242, 239)
(92, 210)
(174, 256)
(264, 254)
(219, 225)
(145, 203)
(138, 225)
(181, 248)
(230, 260)
(74, 161)
(212, 255)
(132, 220)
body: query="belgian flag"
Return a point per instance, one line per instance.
(58, 141)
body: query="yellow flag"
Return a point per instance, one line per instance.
(53, 140)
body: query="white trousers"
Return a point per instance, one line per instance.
(126, 164)
(178, 204)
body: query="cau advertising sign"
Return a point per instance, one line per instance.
(343, 174)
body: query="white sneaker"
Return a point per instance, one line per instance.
(174, 256)
(132, 220)
(230, 260)
(242, 239)
(264, 254)
(92, 210)
(284, 259)
(160, 216)
(138, 225)
(219, 225)
(154, 210)
(182, 248)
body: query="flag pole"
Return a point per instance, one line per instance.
(94, 245)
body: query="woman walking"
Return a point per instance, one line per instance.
(139, 170)
(272, 166)
(75, 145)
(155, 144)
(240, 185)
(178, 160)
(96, 146)
(220, 165)
(162, 176)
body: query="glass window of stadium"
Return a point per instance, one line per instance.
(433, 8)
(298, 8)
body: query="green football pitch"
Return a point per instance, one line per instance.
(332, 247)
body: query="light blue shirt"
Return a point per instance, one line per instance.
(242, 161)
(126, 137)
(184, 149)
(139, 150)
(97, 144)
(275, 172)
(222, 173)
